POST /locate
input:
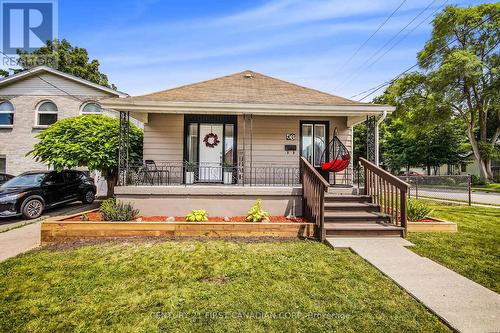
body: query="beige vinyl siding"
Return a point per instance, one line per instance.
(163, 137)
(35, 86)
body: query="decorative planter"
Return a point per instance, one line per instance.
(436, 225)
(228, 177)
(189, 177)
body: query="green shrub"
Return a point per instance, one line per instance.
(257, 213)
(84, 217)
(197, 215)
(417, 210)
(114, 210)
(475, 180)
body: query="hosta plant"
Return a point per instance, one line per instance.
(257, 213)
(197, 215)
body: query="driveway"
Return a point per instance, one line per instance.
(18, 235)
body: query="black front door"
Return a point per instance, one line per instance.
(313, 143)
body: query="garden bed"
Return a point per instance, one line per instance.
(72, 227)
(431, 224)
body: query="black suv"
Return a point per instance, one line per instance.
(31, 192)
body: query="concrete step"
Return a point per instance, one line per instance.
(351, 206)
(363, 229)
(355, 216)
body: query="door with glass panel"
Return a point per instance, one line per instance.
(313, 141)
(210, 149)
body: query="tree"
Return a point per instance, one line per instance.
(461, 63)
(62, 56)
(90, 141)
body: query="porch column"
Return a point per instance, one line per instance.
(371, 141)
(123, 148)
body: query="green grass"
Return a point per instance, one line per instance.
(213, 286)
(493, 187)
(474, 251)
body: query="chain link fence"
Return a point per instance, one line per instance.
(448, 188)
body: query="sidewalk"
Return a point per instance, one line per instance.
(463, 304)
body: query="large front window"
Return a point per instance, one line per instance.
(314, 137)
(6, 113)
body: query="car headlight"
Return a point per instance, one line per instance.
(11, 197)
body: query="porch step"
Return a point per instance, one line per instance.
(347, 198)
(356, 216)
(364, 229)
(351, 206)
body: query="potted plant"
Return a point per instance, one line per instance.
(189, 167)
(228, 173)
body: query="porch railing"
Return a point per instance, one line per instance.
(314, 187)
(386, 190)
(165, 173)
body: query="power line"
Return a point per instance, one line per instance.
(369, 38)
(356, 71)
(374, 89)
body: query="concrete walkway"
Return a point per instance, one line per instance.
(19, 240)
(463, 304)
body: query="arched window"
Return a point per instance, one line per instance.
(92, 108)
(6, 113)
(47, 114)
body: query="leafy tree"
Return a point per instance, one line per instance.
(87, 141)
(461, 63)
(63, 56)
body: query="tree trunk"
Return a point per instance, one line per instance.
(111, 177)
(483, 173)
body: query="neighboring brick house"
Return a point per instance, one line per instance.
(32, 100)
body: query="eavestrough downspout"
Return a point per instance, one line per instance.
(377, 139)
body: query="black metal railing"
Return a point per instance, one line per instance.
(164, 173)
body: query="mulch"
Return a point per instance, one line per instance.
(96, 217)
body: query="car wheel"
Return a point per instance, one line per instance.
(88, 197)
(32, 208)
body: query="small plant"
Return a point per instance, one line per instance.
(228, 167)
(476, 180)
(257, 213)
(84, 217)
(417, 210)
(197, 215)
(114, 210)
(190, 166)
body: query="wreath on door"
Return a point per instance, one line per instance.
(211, 140)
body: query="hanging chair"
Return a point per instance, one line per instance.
(340, 157)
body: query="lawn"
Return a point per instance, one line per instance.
(474, 251)
(212, 286)
(492, 187)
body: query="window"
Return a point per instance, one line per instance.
(55, 178)
(6, 113)
(92, 108)
(314, 137)
(47, 114)
(3, 164)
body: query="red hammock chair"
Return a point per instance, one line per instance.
(340, 157)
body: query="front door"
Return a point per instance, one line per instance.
(313, 142)
(210, 143)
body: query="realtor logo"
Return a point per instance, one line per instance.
(27, 25)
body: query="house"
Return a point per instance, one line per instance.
(221, 144)
(34, 99)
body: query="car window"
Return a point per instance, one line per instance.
(55, 177)
(72, 176)
(34, 179)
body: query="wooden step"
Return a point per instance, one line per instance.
(366, 229)
(347, 198)
(351, 206)
(355, 216)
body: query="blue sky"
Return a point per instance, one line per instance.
(150, 45)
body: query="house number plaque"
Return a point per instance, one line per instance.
(290, 136)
